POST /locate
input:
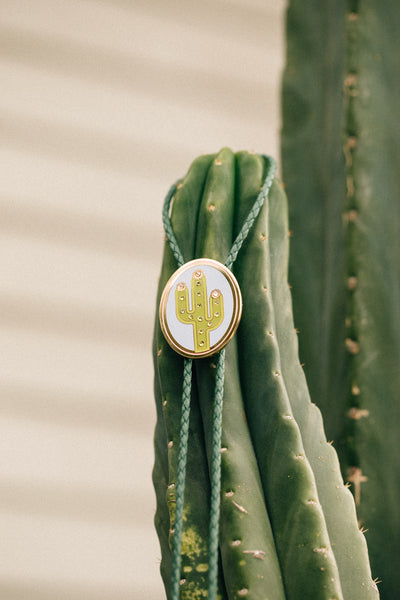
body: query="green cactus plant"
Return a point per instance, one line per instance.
(203, 319)
(341, 102)
(288, 526)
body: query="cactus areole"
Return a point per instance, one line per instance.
(200, 323)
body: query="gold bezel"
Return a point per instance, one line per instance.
(236, 315)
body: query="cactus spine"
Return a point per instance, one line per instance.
(288, 528)
(202, 319)
(341, 101)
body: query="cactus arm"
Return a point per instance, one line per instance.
(249, 559)
(352, 142)
(183, 312)
(313, 169)
(216, 311)
(373, 250)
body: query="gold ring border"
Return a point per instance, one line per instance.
(236, 316)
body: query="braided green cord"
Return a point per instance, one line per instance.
(169, 232)
(181, 477)
(216, 477)
(218, 404)
(253, 214)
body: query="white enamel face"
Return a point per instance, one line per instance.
(200, 308)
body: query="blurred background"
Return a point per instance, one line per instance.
(104, 104)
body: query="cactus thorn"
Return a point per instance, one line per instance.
(350, 186)
(322, 550)
(352, 346)
(357, 413)
(356, 477)
(256, 553)
(211, 208)
(239, 507)
(352, 216)
(352, 283)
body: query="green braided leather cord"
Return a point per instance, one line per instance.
(218, 404)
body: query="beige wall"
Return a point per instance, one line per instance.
(103, 104)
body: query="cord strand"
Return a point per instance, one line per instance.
(216, 477)
(181, 477)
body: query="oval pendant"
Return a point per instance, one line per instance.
(200, 308)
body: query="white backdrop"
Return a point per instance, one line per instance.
(104, 104)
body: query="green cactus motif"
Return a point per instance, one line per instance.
(202, 319)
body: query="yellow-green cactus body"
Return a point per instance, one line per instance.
(202, 319)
